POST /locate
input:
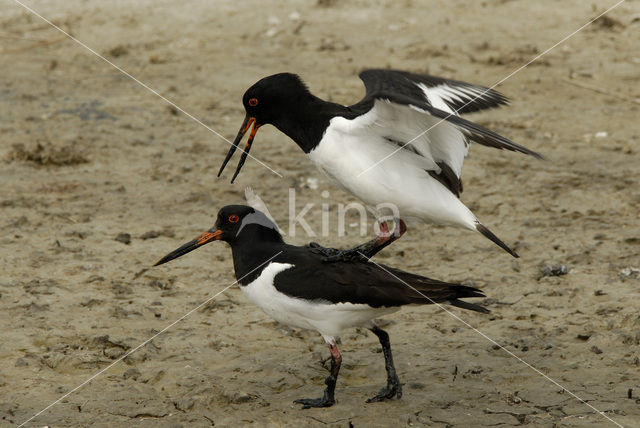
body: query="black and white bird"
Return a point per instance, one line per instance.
(403, 144)
(294, 285)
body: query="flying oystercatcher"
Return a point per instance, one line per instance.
(293, 285)
(404, 143)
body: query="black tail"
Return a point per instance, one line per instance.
(470, 306)
(463, 291)
(487, 233)
(409, 288)
(484, 136)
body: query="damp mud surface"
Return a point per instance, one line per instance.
(100, 178)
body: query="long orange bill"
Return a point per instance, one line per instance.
(248, 122)
(208, 236)
(245, 152)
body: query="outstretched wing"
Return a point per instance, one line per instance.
(444, 94)
(420, 113)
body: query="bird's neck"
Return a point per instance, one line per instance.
(253, 251)
(306, 125)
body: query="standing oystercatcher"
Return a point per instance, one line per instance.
(294, 286)
(404, 143)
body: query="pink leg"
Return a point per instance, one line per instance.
(365, 251)
(387, 237)
(328, 398)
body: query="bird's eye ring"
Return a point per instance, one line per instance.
(253, 102)
(233, 218)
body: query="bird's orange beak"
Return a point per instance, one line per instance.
(208, 236)
(248, 122)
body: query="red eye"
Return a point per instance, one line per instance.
(233, 218)
(253, 102)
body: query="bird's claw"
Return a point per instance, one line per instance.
(393, 389)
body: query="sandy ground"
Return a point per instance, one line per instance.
(87, 155)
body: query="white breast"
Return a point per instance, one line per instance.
(329, 319)
(347, 150)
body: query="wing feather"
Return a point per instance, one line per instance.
(421, 113)
(365, 282)
(459, 96)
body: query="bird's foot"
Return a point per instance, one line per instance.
(393, 389)
(308, 403)
(335, 255)
(354, 254)
(362, 252)
(324, 251)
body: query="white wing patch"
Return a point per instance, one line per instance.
(450, 98)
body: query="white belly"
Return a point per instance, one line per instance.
(400, 179)
(329, 319)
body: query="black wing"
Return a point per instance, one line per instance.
(440, 98)
(366, 283)
(459, 96)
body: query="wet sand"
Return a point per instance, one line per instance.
(101, 178)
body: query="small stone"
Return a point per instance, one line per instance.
(556, 270)
(240, 398)
(157, 59)
(119, 51)
(125, 238)
(596, 350)
(630, 272)
(152, 234)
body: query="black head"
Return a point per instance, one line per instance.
(271, 97)
(272, 100)
(237, 225)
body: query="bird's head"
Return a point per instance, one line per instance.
(235, 224)
(269, 101)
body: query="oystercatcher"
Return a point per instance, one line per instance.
(293, 285)
(404, 143)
